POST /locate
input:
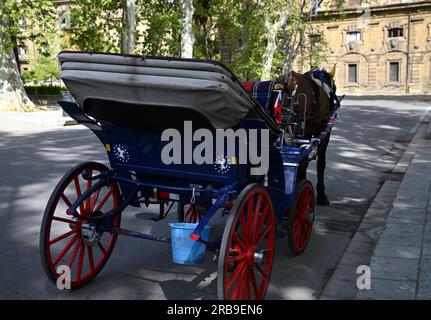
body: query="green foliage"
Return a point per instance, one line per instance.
(163, 27)
(44, 90)
(231, 31)
(95, 25)
(36, 18)
(42, 68)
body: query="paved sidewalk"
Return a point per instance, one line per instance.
(31, 121)
(401, 262)
(394, 237)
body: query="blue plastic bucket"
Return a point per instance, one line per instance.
(184, 249)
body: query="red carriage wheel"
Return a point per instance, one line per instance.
(247, 247)
(61, 238)
(301, 217)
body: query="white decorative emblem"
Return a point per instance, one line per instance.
(121, 153)
(222, 164)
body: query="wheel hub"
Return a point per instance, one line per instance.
(310, 217)
(90, 234)
(259, 257)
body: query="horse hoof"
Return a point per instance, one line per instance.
(323, 201)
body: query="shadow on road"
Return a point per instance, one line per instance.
(366, 141)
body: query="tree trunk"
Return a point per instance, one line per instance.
(12, 93)
(187, 35)
(129, 26)
(272, 30)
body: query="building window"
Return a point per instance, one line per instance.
(63, 22)
(352, 73)
(353, 36)
(394, 72)
(315, 39)
(64, 19)
(395, 32)
(22, 51)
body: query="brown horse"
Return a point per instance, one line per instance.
(313, 106)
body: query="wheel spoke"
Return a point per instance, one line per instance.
(89, 183)
(235, 274)
(249, 222)
(253, 282)
(239, 276)
(264, 234)
(74, 253)
(65, 249)
(244, 227)
(248, 284)
(65, 235)
(232, 259)
(78, 194)
(297, 235)
(239, 242)
(80, 261)
(102, 202)
(66, 200)
(256, 216)
(102, 248)
(242, 284)
(261, 221)
(310, 206)
(299, 213)
(65, 220)
(94, 200)
(90, 257)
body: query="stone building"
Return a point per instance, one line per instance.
(26, 48)
(379, 46)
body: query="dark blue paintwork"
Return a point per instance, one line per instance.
(135, 158)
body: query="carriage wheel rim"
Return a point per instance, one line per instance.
(302, 227)
(79, 253)
(240, 259)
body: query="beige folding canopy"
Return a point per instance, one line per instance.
(207, 86)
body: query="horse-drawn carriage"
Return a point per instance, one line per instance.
(128, 102)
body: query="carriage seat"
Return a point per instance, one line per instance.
(263, 92)
(144, 117)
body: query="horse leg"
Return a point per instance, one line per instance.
(322, 199)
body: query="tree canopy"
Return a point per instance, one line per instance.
(238, 33)
(257, 39)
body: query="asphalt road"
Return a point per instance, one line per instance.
(367, 141)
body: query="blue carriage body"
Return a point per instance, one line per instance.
(186, 132)
(128, 98)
